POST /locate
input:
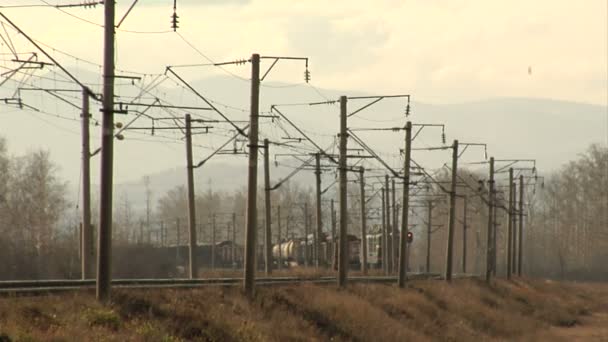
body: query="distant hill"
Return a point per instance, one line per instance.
(550, 131)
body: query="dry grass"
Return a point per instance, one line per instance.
(465, 310)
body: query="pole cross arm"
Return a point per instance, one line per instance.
(422, 126)
(234, 137)
(329, 186)
(276, 60)
(466, 146)
(511, 162)
(322, 151)
(43, 51)
(240, 130)
(157, 104)
(374, 154)
(376, 99)
(298, 169)
(53, 92)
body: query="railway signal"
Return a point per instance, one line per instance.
(410, 237)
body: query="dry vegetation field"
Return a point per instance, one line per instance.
(467, 310)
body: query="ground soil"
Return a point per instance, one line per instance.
(427, 310)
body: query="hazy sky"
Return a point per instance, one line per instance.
(440, 51)
(444, 50)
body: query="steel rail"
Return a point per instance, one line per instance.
(54, 285)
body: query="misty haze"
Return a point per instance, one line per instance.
(264, 170)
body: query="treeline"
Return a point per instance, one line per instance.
(32, 204)
(172, 212)
(567, 234)
(565, 222)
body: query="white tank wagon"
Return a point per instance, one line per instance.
(289, 252)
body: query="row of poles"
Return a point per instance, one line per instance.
(251, 214)
(514, 238)
(103, 277)
(251, 211)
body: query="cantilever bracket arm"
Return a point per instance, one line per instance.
(202, 162)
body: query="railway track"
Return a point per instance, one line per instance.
(25, 287)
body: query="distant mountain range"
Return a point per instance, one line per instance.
(550, 131)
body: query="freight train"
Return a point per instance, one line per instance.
(300, 251)
(293, 252)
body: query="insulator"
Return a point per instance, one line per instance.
(407, 110)
(174, 21)
(443, 138)
(307, 75)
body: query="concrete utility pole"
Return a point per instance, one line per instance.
(252, 182)
(452, 218)
(280, 263)
(104, 250)
(514, 232)
(428, 236)
(510, 225)
(87, 261)
(521, 223)
(333, 220)
(394, 231)
(193, 271)
(213, 241)
(464, 236)
(177, 241)
(334, 236)
(227, 232)
(148, 192)
(384, 234)
(200, 235)
(403, 248)
(490, 233)
(343, 248)
(163, 234)
(363, 222)
(495, 235)
(267, 219)
(389, 235)
(260, 247)
(306, 230)
(233, 240)
(288, 224)
(318, 217)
